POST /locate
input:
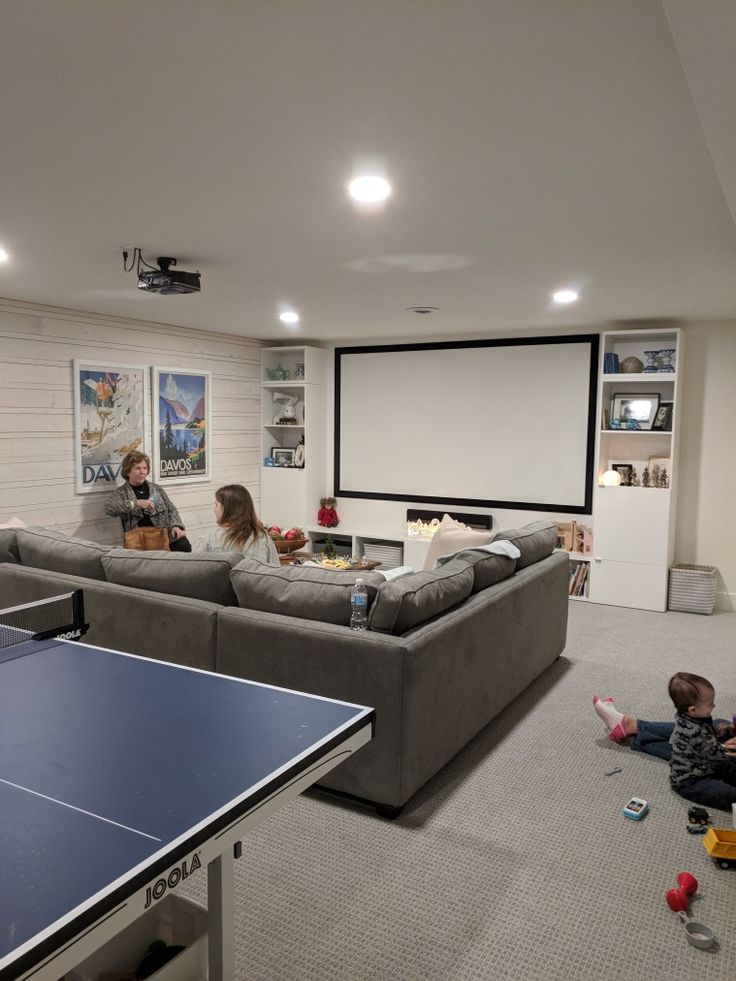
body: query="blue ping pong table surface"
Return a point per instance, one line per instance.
(112, 766)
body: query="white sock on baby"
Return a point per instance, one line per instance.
(607, 712)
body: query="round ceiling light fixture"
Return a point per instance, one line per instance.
(4, 256)
(289, 317)
(369, 189)
(565, 296)
(422, 309)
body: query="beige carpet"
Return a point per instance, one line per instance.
(515, 861)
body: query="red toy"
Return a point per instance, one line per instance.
(688, 883)
(678, 899)
(327, 515)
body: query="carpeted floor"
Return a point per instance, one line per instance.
(515, 861)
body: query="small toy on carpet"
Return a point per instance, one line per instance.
(636, 808)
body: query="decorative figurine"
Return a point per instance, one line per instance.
(286, 415)
(327, 515)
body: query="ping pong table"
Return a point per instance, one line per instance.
(120, 776)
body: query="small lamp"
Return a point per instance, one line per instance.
(611, 478)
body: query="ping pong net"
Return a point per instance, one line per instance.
(60, 616)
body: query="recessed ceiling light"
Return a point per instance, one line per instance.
(564, 296)
(289, 317)
(4, 255)
(369, 189)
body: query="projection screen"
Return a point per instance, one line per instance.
(507, 423)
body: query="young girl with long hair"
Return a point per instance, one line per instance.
(238, 527)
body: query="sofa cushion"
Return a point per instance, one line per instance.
(199, 575)
(8, 545)
(411, 600)
(535, 541)
(488, 568)
(43, 548)
(452, 536)
(300, 591)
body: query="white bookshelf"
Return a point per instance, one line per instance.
(290, 495)
(633, 526)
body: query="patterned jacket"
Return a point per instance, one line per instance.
(696, 750)
(121, 504)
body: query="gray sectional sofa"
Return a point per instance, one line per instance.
(445, 651)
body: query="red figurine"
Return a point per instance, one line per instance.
(327, 515)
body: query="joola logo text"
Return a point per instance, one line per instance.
(70, 634)
(175, 876)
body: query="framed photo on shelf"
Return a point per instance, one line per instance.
(282, 456)
(626, 470)
(663, 417)
(640, 407)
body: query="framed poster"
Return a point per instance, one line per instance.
(181, 417)
(109, 420)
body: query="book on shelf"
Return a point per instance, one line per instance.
(610, 364)
(579, 579)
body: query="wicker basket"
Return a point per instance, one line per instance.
(284, 546)
(692, 588)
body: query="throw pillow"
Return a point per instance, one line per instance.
(453, 536)
(535, 541)
(43, 548)
(198, 575)
(307, 592)
(411, 600)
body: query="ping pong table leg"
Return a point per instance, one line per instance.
(220, 917)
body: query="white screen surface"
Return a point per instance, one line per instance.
(489, 423)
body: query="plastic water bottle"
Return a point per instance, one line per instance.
(359, 606)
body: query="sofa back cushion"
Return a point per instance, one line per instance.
(535, 541)
(43, 548)
(300, 591)
(8, 545)
(198, 575)
(488, 569)
(411, 600)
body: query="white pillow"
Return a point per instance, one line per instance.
(453, 536)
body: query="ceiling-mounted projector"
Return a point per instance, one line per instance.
(163, 280)
(166, 280)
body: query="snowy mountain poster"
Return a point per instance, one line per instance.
(181, 418)
(109, 417)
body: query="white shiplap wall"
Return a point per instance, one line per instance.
(37, 348)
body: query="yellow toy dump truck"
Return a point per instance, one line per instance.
(720, 843)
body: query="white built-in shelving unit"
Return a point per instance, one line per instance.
(290, 495)
(634, 526)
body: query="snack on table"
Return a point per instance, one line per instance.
(334, 563)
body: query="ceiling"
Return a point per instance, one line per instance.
(532, 145)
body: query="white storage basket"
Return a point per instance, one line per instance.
(692, 588)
